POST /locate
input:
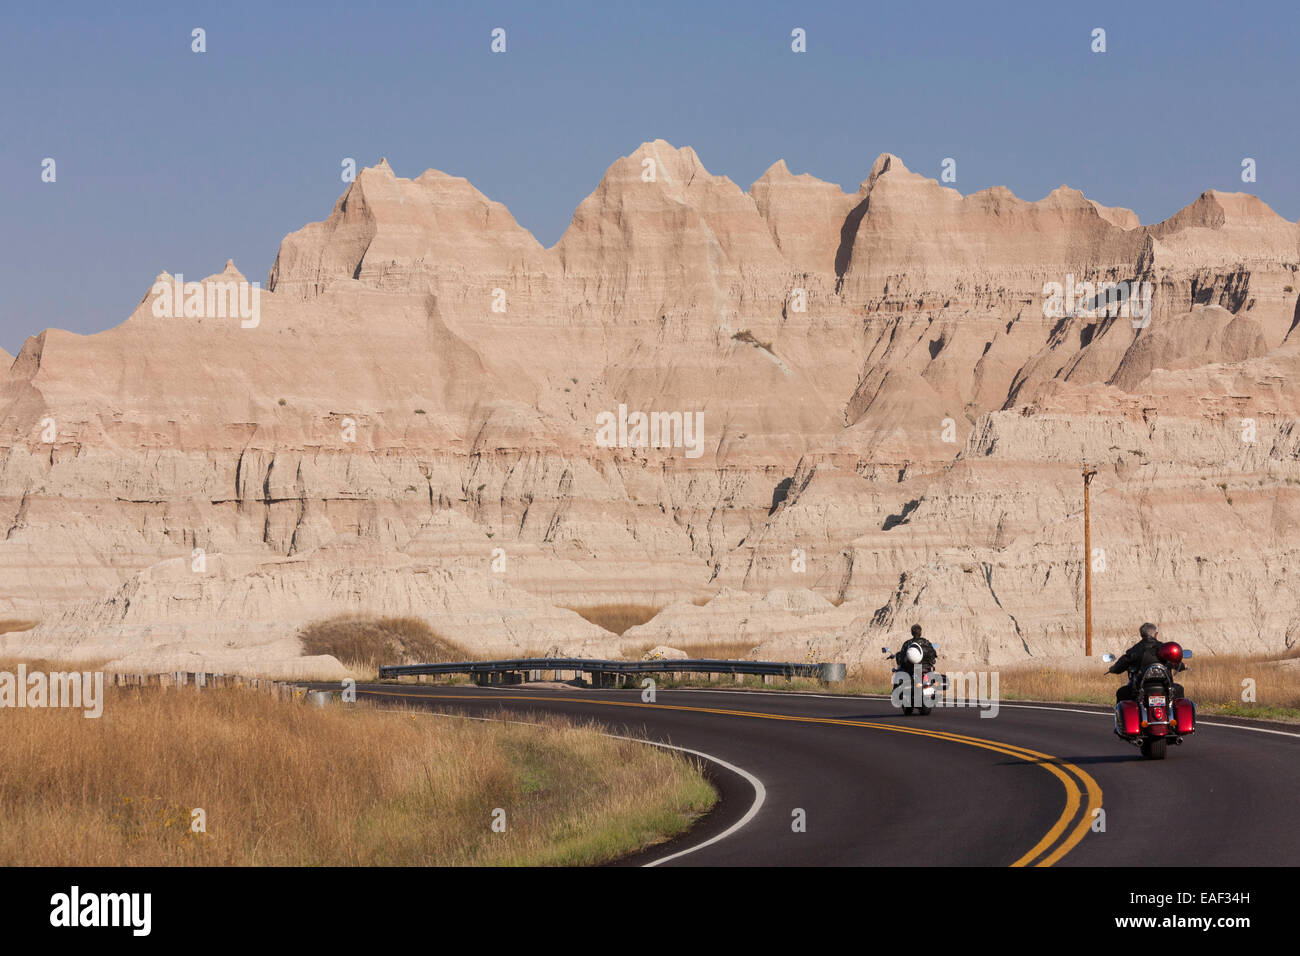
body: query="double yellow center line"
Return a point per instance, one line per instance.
(1056, 842)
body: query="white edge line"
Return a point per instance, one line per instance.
(760, 791)
(1028, 706)
(760, 795)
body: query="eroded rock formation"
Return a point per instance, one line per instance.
(893, 419)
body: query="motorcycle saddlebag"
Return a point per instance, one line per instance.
(1184, 716)
(1127, 718)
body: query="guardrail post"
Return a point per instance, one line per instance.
(833, 673)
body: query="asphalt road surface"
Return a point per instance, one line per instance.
(950, 789)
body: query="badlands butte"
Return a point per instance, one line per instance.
(892, 430)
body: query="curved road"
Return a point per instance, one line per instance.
(951, 789)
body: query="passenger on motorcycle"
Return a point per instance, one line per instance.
(1138, 658)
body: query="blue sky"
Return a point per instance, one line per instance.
(173, 160)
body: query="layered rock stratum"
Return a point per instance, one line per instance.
(892, 413)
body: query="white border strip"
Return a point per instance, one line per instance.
(1023, 706)
(760, 791)
(760, 795)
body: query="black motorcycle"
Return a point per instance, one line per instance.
(906, 692)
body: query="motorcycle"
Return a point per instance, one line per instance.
(1154, 718)
(919, 699)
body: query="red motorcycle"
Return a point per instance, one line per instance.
(1155, 718)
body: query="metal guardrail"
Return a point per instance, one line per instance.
(602, 671)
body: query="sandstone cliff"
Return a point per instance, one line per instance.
(892, 422)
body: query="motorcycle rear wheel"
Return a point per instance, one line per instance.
(1154, 749)
(925, 711)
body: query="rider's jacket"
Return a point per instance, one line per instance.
(928, 654)
(1141, 656)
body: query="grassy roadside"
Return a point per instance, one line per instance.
(361, 643)
(289, 784)
(1216, 683)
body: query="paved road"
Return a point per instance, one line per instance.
(878, 789)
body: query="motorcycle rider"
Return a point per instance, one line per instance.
(928, 653)
(1138, 658)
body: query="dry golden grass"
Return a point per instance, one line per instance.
(292, 784)
(1215, 682)
(617, 617)
(363, 643)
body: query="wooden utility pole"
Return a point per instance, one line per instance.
(1087, 561)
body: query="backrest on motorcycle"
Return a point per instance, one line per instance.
(1156, 674)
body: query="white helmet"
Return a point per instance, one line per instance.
(914, 654)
